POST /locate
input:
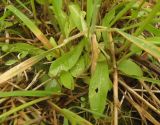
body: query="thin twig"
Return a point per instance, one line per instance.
(115, 81)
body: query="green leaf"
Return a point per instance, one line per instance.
(130, 68)
(67, 61)
(29, 93)
(152, 29)
(89, 11)
(108, 18)
(154, 40)
(80, 66)
(11, 62)
(77, 17)
(99, 87)
(43, 1)
(74, 118)
(59, 13)
(30, 25)
(51, 85)
(141, 43)
(21, 47)
(135, 49)
(66, 80)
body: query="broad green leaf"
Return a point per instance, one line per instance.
(80, 66)
(99, 87)
(67, 61)
(66, 80)
(77, 17)
(51, 84)
(30, 25)
(130, 68)
(141, 43)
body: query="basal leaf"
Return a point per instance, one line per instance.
(99, 87)
(80, 66)
(130, 68)
(66, 80)
(78, 17)
(67, 61)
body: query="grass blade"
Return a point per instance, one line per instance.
(141, 43)
(31, 26)
(38, 93)
(25, 105)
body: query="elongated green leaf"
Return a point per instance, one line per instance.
(89, 11)
(66, 80)
(37, 93)
(99, 87)
(77, 17)
(154, 40)
(22, 47)
(30, 25)
(105, 22)
(67, 61)
(123, 11)
(3, 116)
(152, 29)
(148, 19)
(130, 68)
(141, 43)
(74, 118)
(59, 13)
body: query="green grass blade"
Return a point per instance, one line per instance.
(38, 93)
(122, 12)
(6, 114)
(148, 19)
(141, 43)
(30, 25)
